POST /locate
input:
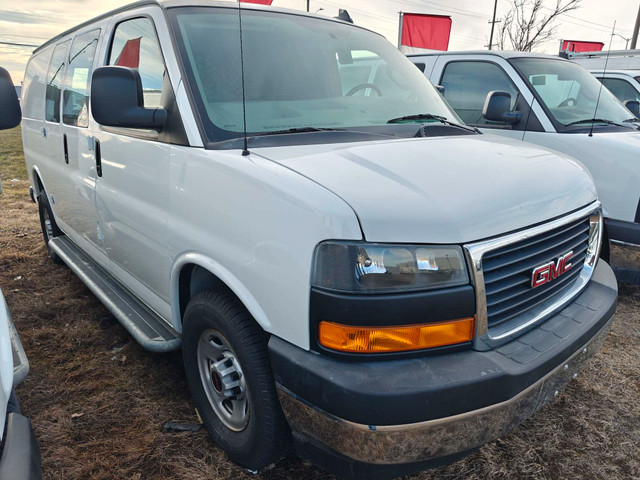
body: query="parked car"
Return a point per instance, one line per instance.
(343, 264)
(19, 452)
(551, 102)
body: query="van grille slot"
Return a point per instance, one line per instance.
(508, 270)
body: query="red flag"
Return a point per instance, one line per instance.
(425, 31)
(578, 46)
(130, 54)
(259, 2)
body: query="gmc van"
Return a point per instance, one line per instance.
(346, 266)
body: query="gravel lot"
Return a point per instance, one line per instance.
(98, 401)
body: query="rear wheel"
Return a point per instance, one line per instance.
(48, 225)
(229, 375)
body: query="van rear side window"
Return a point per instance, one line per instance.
(76, 99)
(55, 77)
(34, 85)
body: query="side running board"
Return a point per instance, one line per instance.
(147, 328)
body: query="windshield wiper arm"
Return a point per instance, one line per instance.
(593, 120)
(631, 120)
(430, 116)
(301, 130)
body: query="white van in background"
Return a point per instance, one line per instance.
(345, 266)
(550, 101)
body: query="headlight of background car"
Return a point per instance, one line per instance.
(378, 268)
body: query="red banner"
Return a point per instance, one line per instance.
(130, 54)
(425, 31)
(259, 2)
(578, 46)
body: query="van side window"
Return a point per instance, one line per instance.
(55, 77)
(466, 85)
(135, 45)
(621, 89)
(33, 87)
(76, 87)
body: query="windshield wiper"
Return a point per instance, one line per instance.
(593, 120)
(430, 116)
(301, 130)
(631, 120)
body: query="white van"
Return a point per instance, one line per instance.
(550, 101)
(358, 275)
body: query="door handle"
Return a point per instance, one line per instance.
(66, 149)
(98, 155)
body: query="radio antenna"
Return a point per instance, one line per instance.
(606, 60)
(245, 149)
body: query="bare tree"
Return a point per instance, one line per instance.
(529, 23)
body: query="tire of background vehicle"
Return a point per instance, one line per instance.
(220, 337)
(50, 229)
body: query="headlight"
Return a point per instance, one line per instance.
(377, 268)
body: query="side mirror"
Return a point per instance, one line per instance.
(117, 101)
(10, 113)
(496, 108)
(633, 106)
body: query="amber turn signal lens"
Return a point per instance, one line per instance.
(346, 338)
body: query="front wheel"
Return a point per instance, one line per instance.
(229, 375)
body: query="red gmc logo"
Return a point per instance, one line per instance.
(550, 271)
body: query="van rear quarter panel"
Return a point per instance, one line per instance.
(259, 223)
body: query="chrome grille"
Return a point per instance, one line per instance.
(508, 270)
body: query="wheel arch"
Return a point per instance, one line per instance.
(193, 273)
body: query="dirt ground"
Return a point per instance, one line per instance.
(98, 401)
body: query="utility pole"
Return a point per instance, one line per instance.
(308, 5)
(634, 39)
(493, 23)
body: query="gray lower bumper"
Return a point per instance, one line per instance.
(20, 455)
(396, 444)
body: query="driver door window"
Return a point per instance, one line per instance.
(466, 85)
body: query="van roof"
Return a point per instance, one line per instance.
(165, 4)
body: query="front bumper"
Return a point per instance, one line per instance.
(402, 412)
(20, 455)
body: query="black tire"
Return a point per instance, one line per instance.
(50, 229)
(266, 436)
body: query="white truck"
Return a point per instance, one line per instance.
(551, 102)
(346, 267)
(19, 451)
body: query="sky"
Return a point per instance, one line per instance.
(33, 22)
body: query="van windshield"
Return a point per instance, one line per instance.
(570, 92)
(301, 73)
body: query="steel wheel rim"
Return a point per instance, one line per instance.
(48, 228)
(223, 380)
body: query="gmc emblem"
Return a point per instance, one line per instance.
(550, 271)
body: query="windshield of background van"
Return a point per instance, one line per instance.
(299, 72)
(570, 92)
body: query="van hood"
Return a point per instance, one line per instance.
(443, 190)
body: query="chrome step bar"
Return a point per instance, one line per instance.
(147, 328)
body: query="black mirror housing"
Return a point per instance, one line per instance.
(497, 108)
(117, 101)
(10, 113)
(633, 106)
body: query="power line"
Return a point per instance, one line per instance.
(19, 44)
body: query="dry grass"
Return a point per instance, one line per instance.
(83, 362)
